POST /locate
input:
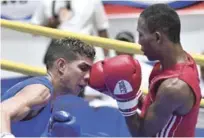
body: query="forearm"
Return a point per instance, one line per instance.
(145, 126)
(141, 101)
(5, 126)
(14, 112)
(134, 123)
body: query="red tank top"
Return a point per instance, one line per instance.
(177, 125)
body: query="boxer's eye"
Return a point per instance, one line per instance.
(84, 67)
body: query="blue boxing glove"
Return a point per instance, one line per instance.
(62, 124)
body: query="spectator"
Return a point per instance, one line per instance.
(125, 36)
(81, 16)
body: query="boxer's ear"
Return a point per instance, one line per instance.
(61, 64)
(158, 37)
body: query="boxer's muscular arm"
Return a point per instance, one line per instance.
(31, 97)
(5, 125)
(141, 101)
(172, 95)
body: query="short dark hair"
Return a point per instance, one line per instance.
(68, 48)
(163, 18)
(125, 36)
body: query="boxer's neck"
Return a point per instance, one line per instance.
(57, 89)
(174, 55)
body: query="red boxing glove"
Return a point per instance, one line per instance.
(97, 80)
(121, 77)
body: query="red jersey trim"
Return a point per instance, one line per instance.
(171, 126)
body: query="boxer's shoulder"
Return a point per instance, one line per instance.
(33, 80)
(175, 90)
(34, 83)
(39, 80)
(175, 86)
(36, 90)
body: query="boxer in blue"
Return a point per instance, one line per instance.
(29, 102)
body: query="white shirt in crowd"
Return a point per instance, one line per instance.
(85, 16)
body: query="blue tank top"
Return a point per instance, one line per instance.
(37, 125)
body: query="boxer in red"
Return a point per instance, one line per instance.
(171, 107)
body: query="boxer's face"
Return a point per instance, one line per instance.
(76, 75)
(148, 41)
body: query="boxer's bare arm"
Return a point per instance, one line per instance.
(5, 124)
(141, 101)
(34, 96)
(173, 94)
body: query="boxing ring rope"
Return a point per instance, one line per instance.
(56, 33)
(22, 68)
(36, 71)
(120, 46)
